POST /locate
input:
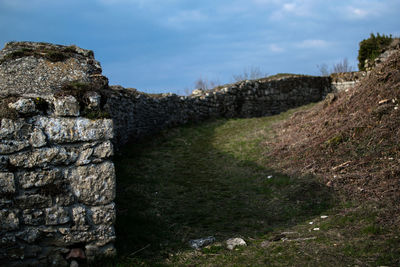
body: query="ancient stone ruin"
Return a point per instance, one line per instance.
(59, 123)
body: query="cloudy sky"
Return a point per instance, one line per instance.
(165, 45)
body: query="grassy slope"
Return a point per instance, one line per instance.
(212, 179)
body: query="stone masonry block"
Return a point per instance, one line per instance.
(93, 184)
(66, 106)
(8, 220)
(7, 183)
(57, 215)
(66, 130)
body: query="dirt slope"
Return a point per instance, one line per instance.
(351, 140)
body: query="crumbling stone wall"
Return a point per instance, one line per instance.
(31, 68)
(57, 182)
(136, 114)
(346, 80)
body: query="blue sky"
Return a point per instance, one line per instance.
(165, 45)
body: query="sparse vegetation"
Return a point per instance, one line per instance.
(250, 73)
(51, 55)
(372, 47)
(340, 67)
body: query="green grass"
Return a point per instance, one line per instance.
(212, 180)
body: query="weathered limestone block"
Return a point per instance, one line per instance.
(65, 199)
(79, 218)
(43, 157)
(24, 106)
(103, 214)
(14, 129)
(32, 201)
(93, 184)
(84, 156)
(57, 215)
(9, 220)
(37, 179)
(38, 73)
(65, 130)
(33, 217)
(7, 183)
(66, 106)
(29, 235)
(11, 146)
(94, 100)
(103, 150)
(37, 138)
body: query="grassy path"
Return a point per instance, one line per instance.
(213, 180)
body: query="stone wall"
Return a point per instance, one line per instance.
(57, 182)
(137, 114)
(345, 81)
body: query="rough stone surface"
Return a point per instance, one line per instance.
(24, 106)
(103, 214)
(38, 75)
(38, 179)
(8, 220)
(7, 183)
(64, 130)
(66, 106)
(93, 184)
(57, 215)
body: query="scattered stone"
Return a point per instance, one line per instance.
(324, 216)
(232, 243)
(201, 242)
(316, 229)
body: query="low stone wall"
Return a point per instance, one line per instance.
(57, 182)
(136, 114)
(345, 81)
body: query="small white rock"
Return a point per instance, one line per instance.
(310, 222)
(316, 229)
(269, 176)
(234, 242)
(324, 217)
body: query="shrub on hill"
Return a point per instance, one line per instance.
(372, 47)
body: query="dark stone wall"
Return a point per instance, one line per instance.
(137, 114)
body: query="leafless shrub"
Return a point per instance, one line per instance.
(250, 73)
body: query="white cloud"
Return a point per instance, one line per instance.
(312, 43)
(276, 48)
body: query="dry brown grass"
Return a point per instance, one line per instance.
(352, 142)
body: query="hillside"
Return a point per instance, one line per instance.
(350, 140)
